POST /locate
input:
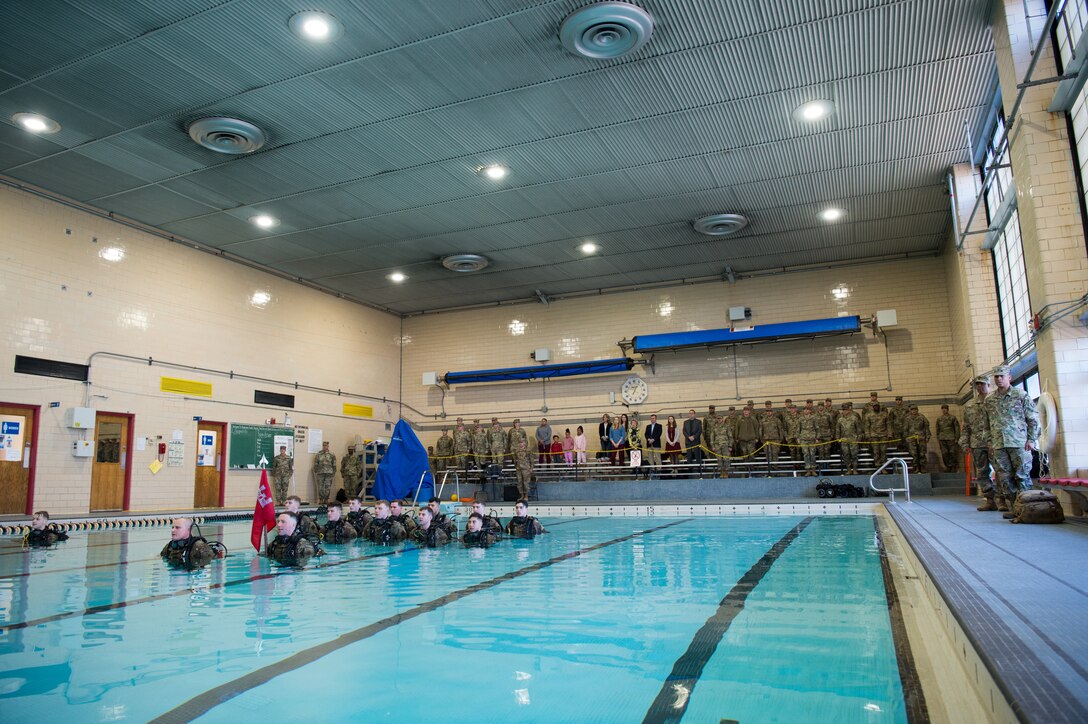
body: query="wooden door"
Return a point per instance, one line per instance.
(16, 458)
(209, 464)
(111, 460)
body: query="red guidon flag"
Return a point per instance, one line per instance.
(264, 513)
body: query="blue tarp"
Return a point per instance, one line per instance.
(567, 369)
(398, 472)
(759, 333)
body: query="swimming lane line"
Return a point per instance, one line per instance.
(672, 701)
(203, 703)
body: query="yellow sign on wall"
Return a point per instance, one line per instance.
(185, 387)
(358, 410)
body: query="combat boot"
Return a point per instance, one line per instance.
(1002, 503)
(988, 504)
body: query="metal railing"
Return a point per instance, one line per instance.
(892, 491)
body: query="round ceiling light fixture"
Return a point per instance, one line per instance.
(831, 214)
(264, 221)
(397, 277)
(315, 26)
(589, 248)
(36, 123)
(226, 135)
(606, 30)
(494, 171)
(465, 263)
(813, 111)
(720, 224)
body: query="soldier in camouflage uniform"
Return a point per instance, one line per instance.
(517, 432)
(948, 435)
(481, 444)
(772, 432)
(350, 470)
(878, 430)
(849, 429)
(715, 434)
(897, 415)
(324, 472)
(829, 408)
(869, 406)
(793, 429)
(282, 469)
(523, 465)
(917, 431)
(462, 444)
(497, 439)
(807, 438)
(443, 452)
(824, 429)
(1014, 429)
(975, 440)
(747, 439)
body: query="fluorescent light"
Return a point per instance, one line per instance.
(397, 277)
(588, 248)
(264, 221)
(814, 110)
(112, 253)
(832, 214)
(36, 123)
(494, 171)
(315, 26)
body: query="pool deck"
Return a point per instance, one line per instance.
(1018, 592)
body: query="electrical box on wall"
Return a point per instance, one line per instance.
(739, 314)
(82, 448)
(886, 318)
(541, 355)
(430, 379)
(80, 417)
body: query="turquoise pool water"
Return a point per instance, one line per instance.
(775, 619)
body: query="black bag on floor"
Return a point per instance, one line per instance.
(510, 493)
(1037, 506)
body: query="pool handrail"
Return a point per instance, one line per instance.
(892, 491)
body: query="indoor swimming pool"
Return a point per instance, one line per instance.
(749, 619)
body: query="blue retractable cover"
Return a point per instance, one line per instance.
(405, 460)
(759, 333)
(568, 369)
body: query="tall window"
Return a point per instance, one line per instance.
(1012, 283)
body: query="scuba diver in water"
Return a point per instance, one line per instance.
(384, 528)
(523, 525)
(291, 547)
(428, 534)
(189, 551)
(42, 533)
(338, 530)
(358, 516)
(491, 522)
(477, 536)
(399, 514)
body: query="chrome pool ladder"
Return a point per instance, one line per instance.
(892, 491)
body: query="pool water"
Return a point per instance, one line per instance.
(752, 619)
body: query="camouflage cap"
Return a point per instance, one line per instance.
(914, 407)
(872, 394)
(711, 408)
(982, 380)
(768, 403)
(732, 408)
(789, 401)
(751, 402)
(1002, 370)
(476, 421)
(494, 419)
(517, 419)
(898, 398)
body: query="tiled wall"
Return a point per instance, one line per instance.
(64, 301)
(917, 356)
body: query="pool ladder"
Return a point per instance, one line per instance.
(892, 491)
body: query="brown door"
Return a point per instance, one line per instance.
(16, 434)
(209, 464)
(110, 462)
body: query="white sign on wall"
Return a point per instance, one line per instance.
(12, 428)
(205, 452)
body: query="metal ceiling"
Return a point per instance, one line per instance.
(374, 139)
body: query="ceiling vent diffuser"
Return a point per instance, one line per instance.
(606, 30)
(226, 135)
(720, 224)
(464, 263)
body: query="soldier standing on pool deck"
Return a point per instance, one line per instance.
(443, 451)
(462, 444)
(497, 438)
(1014, 428)
(324, 472)
(975, 439)
(282, 468)
(948, 435)
(481, 444)
(349, 471)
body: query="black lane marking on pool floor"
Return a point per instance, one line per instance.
(187, 590)
(672, 701)
(913, 696)
(203, 703)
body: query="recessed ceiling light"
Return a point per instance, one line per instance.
(397, 277)
(494, 171)
(112, 253)
(36, 123)
(814, 110)
(831, 214)
(588, 248)
(264, 221)
(315, 26)
(260, 298)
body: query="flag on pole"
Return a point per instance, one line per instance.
(264, 513)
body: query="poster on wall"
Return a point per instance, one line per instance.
(11, 438)
(175, 454)
(205, 452)
(315, 439)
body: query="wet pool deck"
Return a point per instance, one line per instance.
(1020, 594)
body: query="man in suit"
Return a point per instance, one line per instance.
(603, 430)
(693, 438)
(653, 441)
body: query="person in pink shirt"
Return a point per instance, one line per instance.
(580, 445)
(568, 448)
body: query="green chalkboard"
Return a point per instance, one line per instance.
(249, 443)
